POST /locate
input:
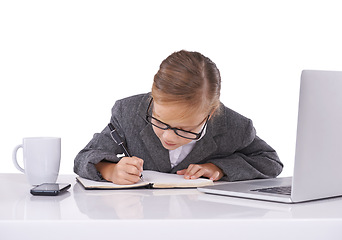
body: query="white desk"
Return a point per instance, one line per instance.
(157, 214)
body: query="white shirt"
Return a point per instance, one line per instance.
(177, 155)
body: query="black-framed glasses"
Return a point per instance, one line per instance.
(179, 132)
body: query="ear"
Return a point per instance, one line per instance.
(211, 114)
(214, 111)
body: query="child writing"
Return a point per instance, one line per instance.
(180, 127)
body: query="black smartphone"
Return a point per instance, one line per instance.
(50, 189)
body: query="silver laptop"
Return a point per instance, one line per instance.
(318, 158)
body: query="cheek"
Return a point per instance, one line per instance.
(157, 131)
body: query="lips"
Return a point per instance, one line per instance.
(169, 144)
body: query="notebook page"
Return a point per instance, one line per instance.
(169, 180)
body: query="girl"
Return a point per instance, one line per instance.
(180, 127)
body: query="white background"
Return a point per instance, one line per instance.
(64, 63)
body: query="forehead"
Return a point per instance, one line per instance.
(178, 115)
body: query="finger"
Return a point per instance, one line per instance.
(215, 176)
(131, 179)
(192, 171)
(133, 161)
(181, 172)
(127, 172)
(138, 162)
(188, 171)
(122, 177)
(198, 174)
(133, 170)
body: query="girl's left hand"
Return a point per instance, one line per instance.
(208, 170)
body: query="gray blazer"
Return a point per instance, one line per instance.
(230, 143)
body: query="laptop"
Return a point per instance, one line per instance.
(318, 158)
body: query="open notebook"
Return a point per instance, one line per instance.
(151, 179)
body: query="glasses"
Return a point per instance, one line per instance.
(179, 132)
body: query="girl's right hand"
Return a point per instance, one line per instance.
(127, 171)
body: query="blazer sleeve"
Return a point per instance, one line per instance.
(101, 147)
(254, 159)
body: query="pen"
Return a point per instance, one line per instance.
(117, 140)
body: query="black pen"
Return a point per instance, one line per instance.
(117, 139)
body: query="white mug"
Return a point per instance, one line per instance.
(42, 156)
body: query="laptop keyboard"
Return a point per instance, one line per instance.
(284, 190)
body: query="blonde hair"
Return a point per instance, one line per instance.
(188, 78)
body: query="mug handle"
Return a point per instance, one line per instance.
(14, 158)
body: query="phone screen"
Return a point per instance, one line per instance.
(50, 189)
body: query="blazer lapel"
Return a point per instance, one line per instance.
(160, 155)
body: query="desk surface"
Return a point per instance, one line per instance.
(173, 213)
